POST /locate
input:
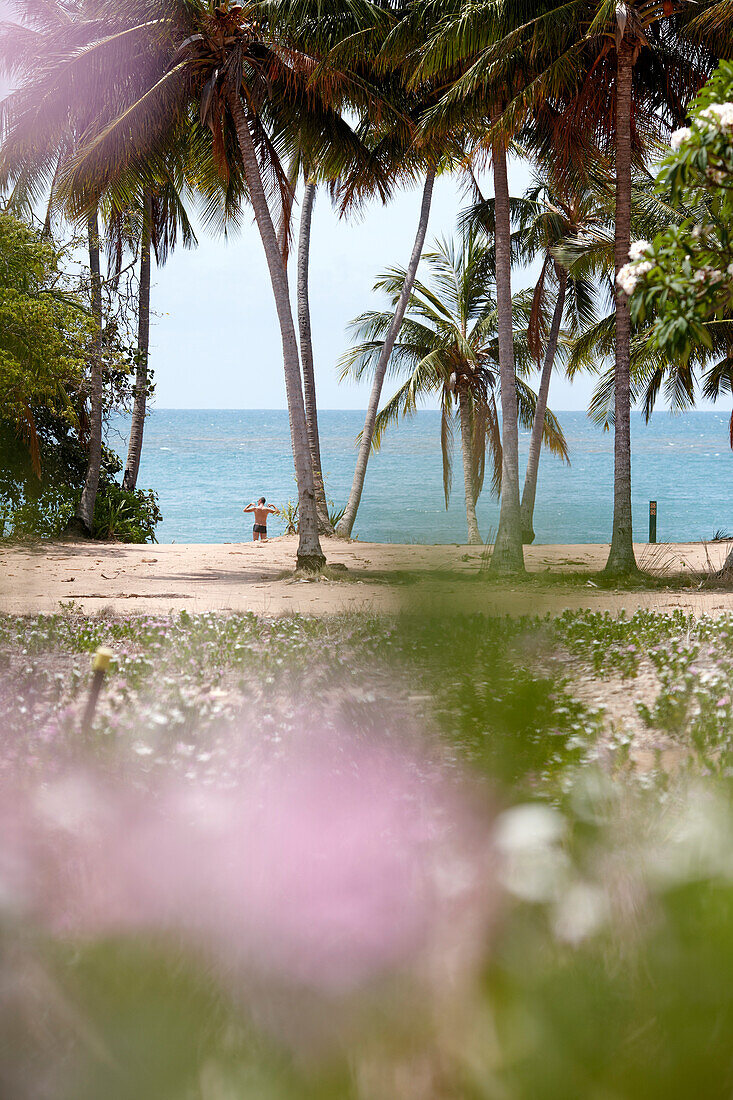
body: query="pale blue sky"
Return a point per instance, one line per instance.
(215, 341)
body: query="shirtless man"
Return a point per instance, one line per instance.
(261, 510)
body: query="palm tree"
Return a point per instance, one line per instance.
(549, 213)
(621, 75)
(346, 523)
(448, 349)
(388, 53)
(252, 91)
(453, 56)
(595, 78)
(306, 352)
(161, 218)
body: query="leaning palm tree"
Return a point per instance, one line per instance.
(448, 349)
(383, 58)
(252, 91)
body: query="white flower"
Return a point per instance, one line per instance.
(679, 136)
(729, 269)
(630, 274)
(638, 250)
(707, 275)
(627, 279)
(718, 117)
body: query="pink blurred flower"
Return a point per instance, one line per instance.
(324, 870)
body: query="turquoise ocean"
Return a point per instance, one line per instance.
(207, 464)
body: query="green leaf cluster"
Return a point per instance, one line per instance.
(43, 328)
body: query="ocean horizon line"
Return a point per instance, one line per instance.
(673, 414)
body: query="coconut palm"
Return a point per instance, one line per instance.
(306, 351)
(454, 48)
(150, 224)
(549, 213)
(595, 77)
(448, 348)
(385, 61)
(252, 90)
(636, 67)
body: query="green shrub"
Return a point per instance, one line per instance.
(127, 515)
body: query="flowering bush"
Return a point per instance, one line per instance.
(683, 279)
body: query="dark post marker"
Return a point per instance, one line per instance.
(652, 521)
(100, 664)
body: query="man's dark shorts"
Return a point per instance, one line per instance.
(259, 529)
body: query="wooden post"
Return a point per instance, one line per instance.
(652, 521)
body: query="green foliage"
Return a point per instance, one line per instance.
(43, 332)
(126, 515)
(45, 335)
(289, 513)
(682, 281)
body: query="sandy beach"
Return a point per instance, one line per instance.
(378, 577)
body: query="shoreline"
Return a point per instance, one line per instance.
(372, 577)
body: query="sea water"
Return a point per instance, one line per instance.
(206, 465)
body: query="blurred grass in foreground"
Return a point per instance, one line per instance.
(365, 857)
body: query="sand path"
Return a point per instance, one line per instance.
(248, 577)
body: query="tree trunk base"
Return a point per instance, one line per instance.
(310, 563)
(76, 529)
(621, 562)
(505, 561)
(528, 536)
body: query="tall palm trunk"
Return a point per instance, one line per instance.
(306, 356)
(621, 557)
(137, 426)
(84, 515)
(538, 422)
(345, 524)
(474, 535)
(508, 556)
(310, 556)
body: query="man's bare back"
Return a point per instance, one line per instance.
(261, 511)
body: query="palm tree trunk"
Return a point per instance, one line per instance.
(137, 426)
(346, 523)
(538, 421)
(621, 558)
(309, 556)
(507, 556)
(474, 535)
(306, 356)
(84, 515)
